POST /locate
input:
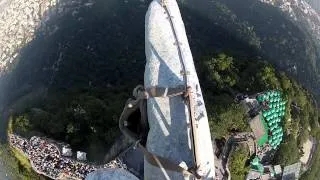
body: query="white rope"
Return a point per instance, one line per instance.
(161, 167)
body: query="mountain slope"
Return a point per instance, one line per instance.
(273, 35)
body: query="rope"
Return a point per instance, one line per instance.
(188, 90)
(142, 94)
(131, 106)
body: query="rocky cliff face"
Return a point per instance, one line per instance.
(307, 18)
(20, 20)
(301, 12)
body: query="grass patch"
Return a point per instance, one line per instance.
(10, 127)
(24, 161)
(16, 160)
(18, 154)
(238, 167)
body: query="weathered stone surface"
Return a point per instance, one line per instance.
(169, 120)
(20, 20)
(118, 174)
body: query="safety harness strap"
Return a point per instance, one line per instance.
(166, 164)
(133, 105)
(165, 91)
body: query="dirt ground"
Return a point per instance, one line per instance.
(306, 149)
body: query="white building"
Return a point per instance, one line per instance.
(81, 156)
(66, 151)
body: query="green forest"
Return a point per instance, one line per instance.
(80, 100)
(223, 76)
(239, 162)
(87, 118)
(14, 167)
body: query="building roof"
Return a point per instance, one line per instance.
(81, 156)
(66, 151)
(277, 169)
(253, 175)
(291, 172)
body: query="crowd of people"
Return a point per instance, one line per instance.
(46, 159)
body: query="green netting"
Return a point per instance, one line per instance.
(264, 114)
(279, 136)
(272, 117)
(278, 131)
(259, 98)
(256, 165)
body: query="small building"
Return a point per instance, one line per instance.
(277, 170)
(66, 151)
(253, 175)
(291, 172)
(81, 156)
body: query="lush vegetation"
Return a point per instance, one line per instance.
(88, 120)
(239, 166)
(79, 99)
(223, 76)
(23, 160)
(16, 168)
(313, 172)
(14, 163)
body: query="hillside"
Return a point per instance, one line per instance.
(263, 28)
(315, 4)
(71, 80)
